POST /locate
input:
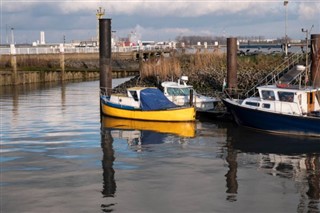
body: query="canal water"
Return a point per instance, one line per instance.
(58, 156)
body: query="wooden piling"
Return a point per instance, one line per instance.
(315, 58)
(231, 64)
(62, 66)
(105, 56)
(14, 76)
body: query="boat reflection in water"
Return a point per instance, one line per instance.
(136, 133)
(295, 158)
(182, 129)
(274, 164)
(247, 140)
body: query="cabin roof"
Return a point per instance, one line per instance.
(289, 88)
(174, 85)
(138, 88)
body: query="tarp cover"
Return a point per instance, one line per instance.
(154, 99)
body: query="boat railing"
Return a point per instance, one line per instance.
(275, 75)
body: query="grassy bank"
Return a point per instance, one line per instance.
(71, 62)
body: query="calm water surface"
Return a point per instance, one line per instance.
(56, 156)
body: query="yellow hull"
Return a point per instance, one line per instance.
(175, 114)
(183, 129)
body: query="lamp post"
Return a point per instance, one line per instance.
(100, 13)
(285, 3)
(113, 38)
(12, 36)
(7, 38)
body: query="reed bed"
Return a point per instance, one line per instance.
(161, 68)
(207, 71)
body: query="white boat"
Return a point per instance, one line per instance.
(179, 93)
(279, 108)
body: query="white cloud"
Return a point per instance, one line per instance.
(160, 19)
(158, 8)
(11, 7)
(309, 11)
(188, 8)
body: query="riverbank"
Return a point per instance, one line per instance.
(206, 71)
(23, 69)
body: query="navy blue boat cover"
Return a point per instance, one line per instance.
(154, 99)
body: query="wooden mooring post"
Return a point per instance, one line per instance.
(13, 62)
(62, 62)
(105, 56)
(315, 58)
(231, 64)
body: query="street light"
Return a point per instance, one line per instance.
(285, 3)
(113, 37)
(7, 39)
(12, 36)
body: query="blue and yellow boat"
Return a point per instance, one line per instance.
(145, 103)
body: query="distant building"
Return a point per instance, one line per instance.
(88, 44)
(42, 38)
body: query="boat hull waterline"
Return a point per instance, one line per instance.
(171, 114)
(274, 122)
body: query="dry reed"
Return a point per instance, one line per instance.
(207, 71)
(160, 67)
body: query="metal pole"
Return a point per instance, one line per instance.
(307, 62)
(7, 38)
(191, 97)
(12, 36)
(307, 53)
(285, 3)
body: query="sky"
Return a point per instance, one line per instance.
(156, 20)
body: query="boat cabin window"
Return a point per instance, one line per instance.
(179, 91)
(268, 95)
(134, 95)
(256, 104)
(267, 106)
(286, 96)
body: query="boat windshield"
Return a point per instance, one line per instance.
(179, 91)
(286, 96)
(268, 95)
